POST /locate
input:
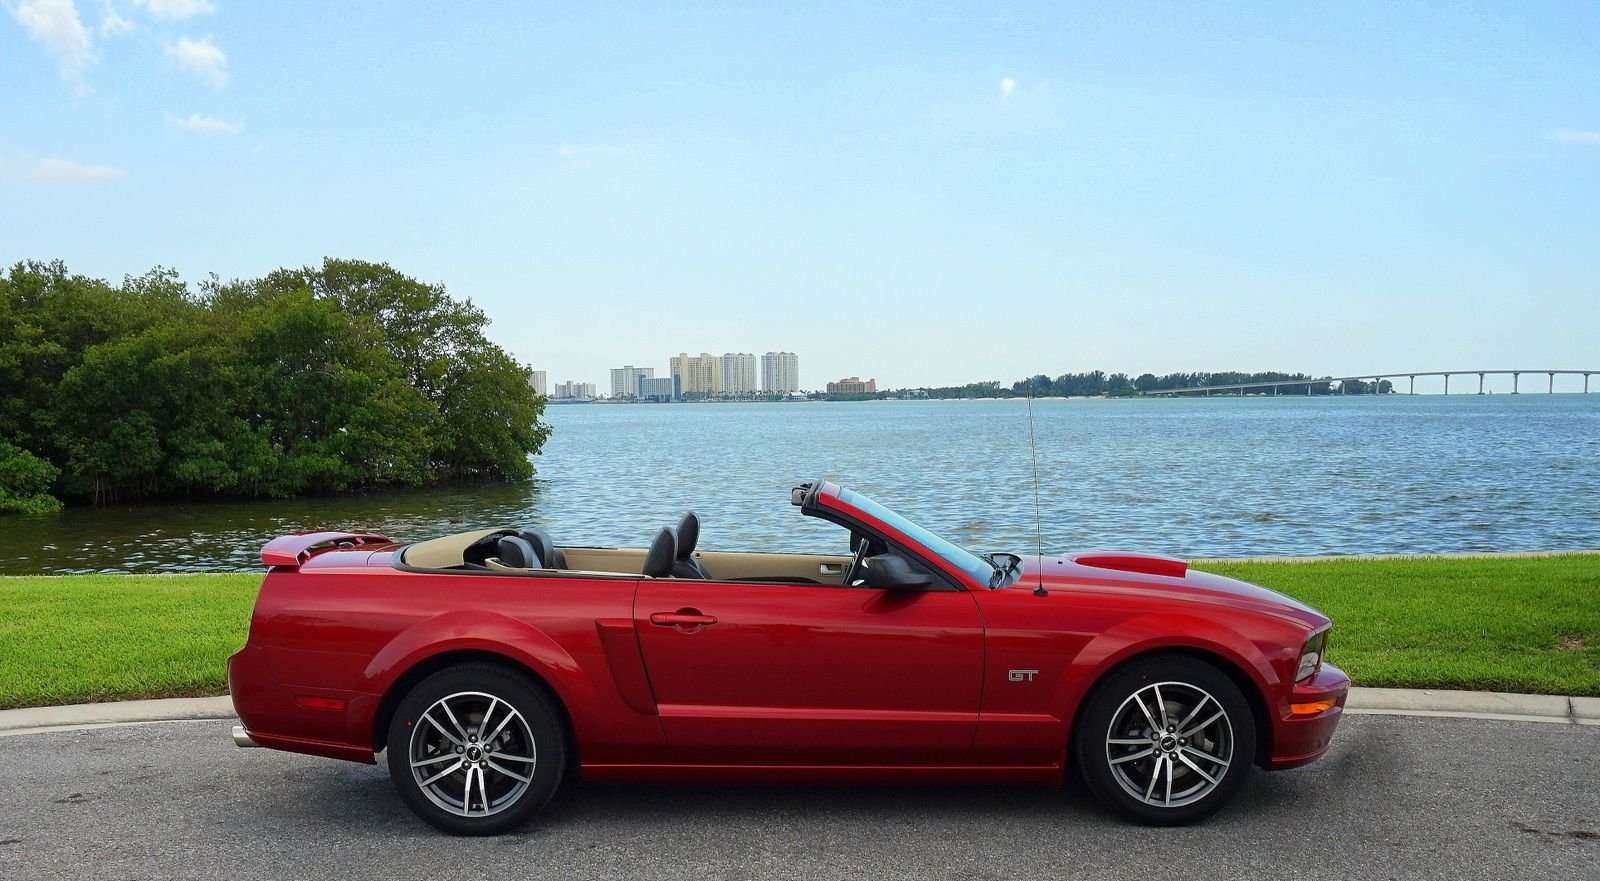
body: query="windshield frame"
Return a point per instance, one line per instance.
(969, 569)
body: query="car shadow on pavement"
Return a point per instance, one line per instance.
(367, 798)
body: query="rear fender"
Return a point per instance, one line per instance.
(498, 634)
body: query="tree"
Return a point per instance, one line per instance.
(49, 319)
(25, 482)
(342, 377)
(486, 409)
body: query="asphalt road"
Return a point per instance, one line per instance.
(1396, 798)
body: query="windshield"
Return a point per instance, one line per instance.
(976, 567)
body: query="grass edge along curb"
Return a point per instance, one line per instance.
(1505, 623)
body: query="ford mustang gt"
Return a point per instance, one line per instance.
(492, 666)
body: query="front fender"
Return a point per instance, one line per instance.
(1148, 633)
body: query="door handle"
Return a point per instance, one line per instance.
(685, 618)
(830, 569)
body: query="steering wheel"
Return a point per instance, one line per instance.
(857, 562)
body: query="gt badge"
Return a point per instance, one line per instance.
(1022, 675)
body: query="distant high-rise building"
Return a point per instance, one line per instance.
(570, 390)
(853, 385)
(738, 371)
(780, 372)
(697, 374)
(625, 380)
(541, 383)
(653, 389)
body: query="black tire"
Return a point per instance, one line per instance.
(1174, 771)
(504, 800)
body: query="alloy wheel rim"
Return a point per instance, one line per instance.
(472, 754)
(1170, 744)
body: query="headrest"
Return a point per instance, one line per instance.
(688, 534)
(658, 560)
(517, 553)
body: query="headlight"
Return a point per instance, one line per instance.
(1311, 656)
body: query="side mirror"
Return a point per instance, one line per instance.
(892, 572)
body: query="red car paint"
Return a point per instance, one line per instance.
(791, 682)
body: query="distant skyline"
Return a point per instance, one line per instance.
(927, 196)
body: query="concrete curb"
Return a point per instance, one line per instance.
(1363, 701)
(38, 720)
(1475, 705)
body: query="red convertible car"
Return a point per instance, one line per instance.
(493, 665)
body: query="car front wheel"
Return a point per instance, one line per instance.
(1166, 740)
(476, 750)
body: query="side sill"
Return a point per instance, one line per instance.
(1046, 775)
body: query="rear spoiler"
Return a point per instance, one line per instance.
(292, 550)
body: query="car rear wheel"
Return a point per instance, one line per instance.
(1166, 740)
(476, 750)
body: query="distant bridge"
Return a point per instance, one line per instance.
(1377, 380)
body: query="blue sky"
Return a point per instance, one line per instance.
(923, 194)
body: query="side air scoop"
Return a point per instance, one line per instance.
(1147, 564)
(292, 550)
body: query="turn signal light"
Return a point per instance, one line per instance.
(1312, 708)
(312, 702)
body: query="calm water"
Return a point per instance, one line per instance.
(1195, 477)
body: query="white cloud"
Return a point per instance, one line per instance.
(112, 24)
(175, 9)
(1567, 136)
(57, 171)
(1007, 86)
(202, 58)
(205, 125)
(585, 155)
(56, 24)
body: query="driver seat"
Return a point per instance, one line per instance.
(685, 565)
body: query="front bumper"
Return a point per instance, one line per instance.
(1299, 739)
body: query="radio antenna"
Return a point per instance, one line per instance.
(1038, 521)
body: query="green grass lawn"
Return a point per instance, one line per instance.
(1526, 624)
(1507, 624)
(68, 639)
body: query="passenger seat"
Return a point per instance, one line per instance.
(544, 546)
(514, 552)
(663, 550)
(685, 565)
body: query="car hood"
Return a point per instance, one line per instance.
(1146, 574)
